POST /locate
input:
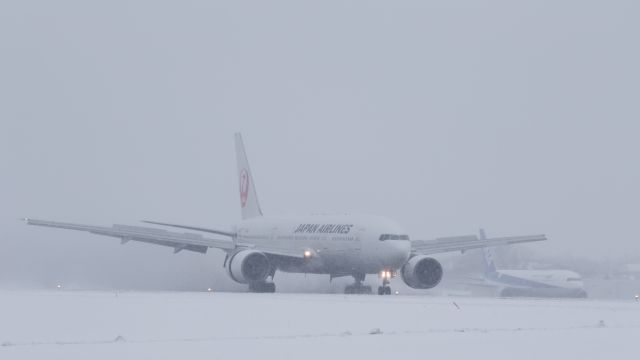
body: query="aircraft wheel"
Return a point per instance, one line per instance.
(357, 289)
(384, 290)
(262, 287)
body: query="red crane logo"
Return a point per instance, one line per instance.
(244, 187)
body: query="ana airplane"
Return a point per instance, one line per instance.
(531, 283)
(337, 245)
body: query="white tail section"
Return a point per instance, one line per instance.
(489, 263)
(248, 197)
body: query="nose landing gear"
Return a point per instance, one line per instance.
(386, 276)
(384, 290)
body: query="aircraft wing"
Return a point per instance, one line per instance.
(467, 242)
(178, 241)
(469, 280)
(197, 228)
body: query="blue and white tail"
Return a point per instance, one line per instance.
(489, 263)
(248, 197)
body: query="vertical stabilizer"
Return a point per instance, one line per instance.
(248, 197)
(489, 264)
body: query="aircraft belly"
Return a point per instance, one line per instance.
(327, 262)
(342, 261)
(349, 260)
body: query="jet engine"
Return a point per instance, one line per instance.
(421, 272)
(248, 266)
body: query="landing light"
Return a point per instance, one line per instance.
(307, 254)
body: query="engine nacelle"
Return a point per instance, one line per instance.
(248, 266)
(422, 272)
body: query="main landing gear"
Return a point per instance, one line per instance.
(358, 287)
(262, 287)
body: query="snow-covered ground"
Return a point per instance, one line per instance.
(137, 325)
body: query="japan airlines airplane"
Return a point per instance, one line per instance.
(531, 283)
(337, 245)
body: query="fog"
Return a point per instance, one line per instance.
(446, 116)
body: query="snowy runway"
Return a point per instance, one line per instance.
(109, 325)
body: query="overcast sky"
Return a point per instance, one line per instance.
(521, 117)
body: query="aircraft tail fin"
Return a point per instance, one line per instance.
(248, 197)
(489, 263)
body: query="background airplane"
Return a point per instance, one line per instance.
(533, 283)
(337, 245)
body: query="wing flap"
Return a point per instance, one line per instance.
(467, 242)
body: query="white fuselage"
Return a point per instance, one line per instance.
(338, 244)
(538, 282)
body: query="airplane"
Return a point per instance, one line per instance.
(530, 283)
(336, 245)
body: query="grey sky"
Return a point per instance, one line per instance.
(521, 117)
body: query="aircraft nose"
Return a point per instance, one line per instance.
(399, 251)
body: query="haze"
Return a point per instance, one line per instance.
(446, 116)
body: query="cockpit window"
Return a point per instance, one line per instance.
(384, 237)
(574, 279)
